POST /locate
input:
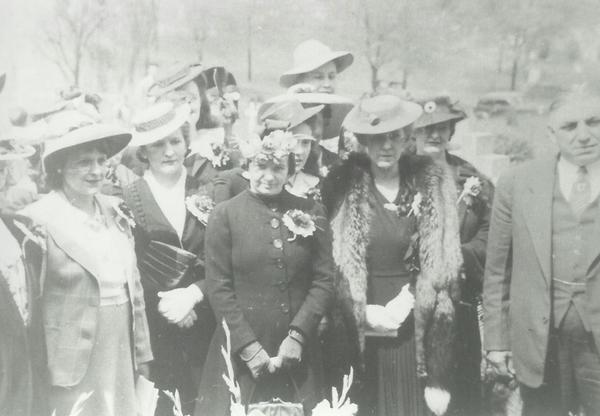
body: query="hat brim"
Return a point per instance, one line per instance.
(342, 60)
(406, 115)
(158, 91)
(112, 138)
(306, 114)
(23, 152)
(149, 137)
(429, 119)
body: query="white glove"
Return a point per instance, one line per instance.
(176, 304)
(399, 307)
(379, 319)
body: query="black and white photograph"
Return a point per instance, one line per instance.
(299, 208)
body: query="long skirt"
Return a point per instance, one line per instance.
(110, 375)
(390, 385)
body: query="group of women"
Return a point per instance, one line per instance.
(317, 262)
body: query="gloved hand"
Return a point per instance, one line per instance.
(256, 358)
(188, 321)
(379, 319)
(290, 351)
(176, 304)
(399, 307)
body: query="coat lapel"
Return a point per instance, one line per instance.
(594, 243)
(191, 222)
(537, 210)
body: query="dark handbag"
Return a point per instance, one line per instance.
(276, 407)
(164, 265)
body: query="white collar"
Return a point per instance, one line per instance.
(567, 175)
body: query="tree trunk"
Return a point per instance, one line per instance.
(250, 47)
(374, 77)
(404, 78)
(513, 74)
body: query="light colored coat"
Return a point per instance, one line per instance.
(518, 276)
(71, 292)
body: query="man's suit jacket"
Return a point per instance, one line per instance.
(71, 292)
(518, 278)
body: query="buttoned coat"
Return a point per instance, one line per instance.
(518, 277)
(262, 281)
(70, 297)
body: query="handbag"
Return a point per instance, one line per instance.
(164, 265)
(276, 407)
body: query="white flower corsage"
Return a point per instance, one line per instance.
(471, 189)
(299, 223)
(415, 207)
(323, 171)
(200, 206)
(220, 155)
(124, 214)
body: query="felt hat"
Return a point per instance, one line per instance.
(287, 113)
(173, 77)
(381, 114)
(438, 110)
(310, 55)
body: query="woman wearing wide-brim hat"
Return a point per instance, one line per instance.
(16, 291)
(170, 215)
(433, 132)
(93, 318)
(289, 115)
(317, 65)
(378, 202)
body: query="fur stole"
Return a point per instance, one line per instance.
(347, 195)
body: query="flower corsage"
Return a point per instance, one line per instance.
(299, 223)
(471, 190)
(220, 155)
(124, 214)
(200, 206)
(406, 208)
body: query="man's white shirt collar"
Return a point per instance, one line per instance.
(567, 175)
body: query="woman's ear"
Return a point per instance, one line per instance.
(142, 154)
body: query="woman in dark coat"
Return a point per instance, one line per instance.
(433, 132)
(270, 279)
(168, 211)
(395, 233)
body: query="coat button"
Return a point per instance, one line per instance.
(274, 223)
(278, 243)
(285, 308)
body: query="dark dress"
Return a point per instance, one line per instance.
(179, 354)
(467, 395)
(390, 385)
(263, 283)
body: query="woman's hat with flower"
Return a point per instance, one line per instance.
(381, 114)
(111, 138)
(274, 147)
(157, 122)
(310, 55)
(437, 110)
(174, 76)
(287, 113)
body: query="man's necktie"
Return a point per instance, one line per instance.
(581, 192)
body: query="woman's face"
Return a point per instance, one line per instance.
(268, 176)
(165, 156)
(193, 99)
(322, 79)
(304, 141)
(433, 140)
(385, 149)
(84, 172)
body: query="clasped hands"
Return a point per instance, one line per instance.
(260, 363)
(393, 314)
(177, 305)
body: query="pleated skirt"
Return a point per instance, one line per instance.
(391, 385)
(110, 376)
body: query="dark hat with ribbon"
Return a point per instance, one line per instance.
(438, 110)
(287, 113)
(175, 76)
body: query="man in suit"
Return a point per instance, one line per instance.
(542, 279)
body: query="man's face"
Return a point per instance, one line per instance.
(322, 79)
(575, 126)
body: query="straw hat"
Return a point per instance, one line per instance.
(381, 114)
(310, 55)
(157, 122)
